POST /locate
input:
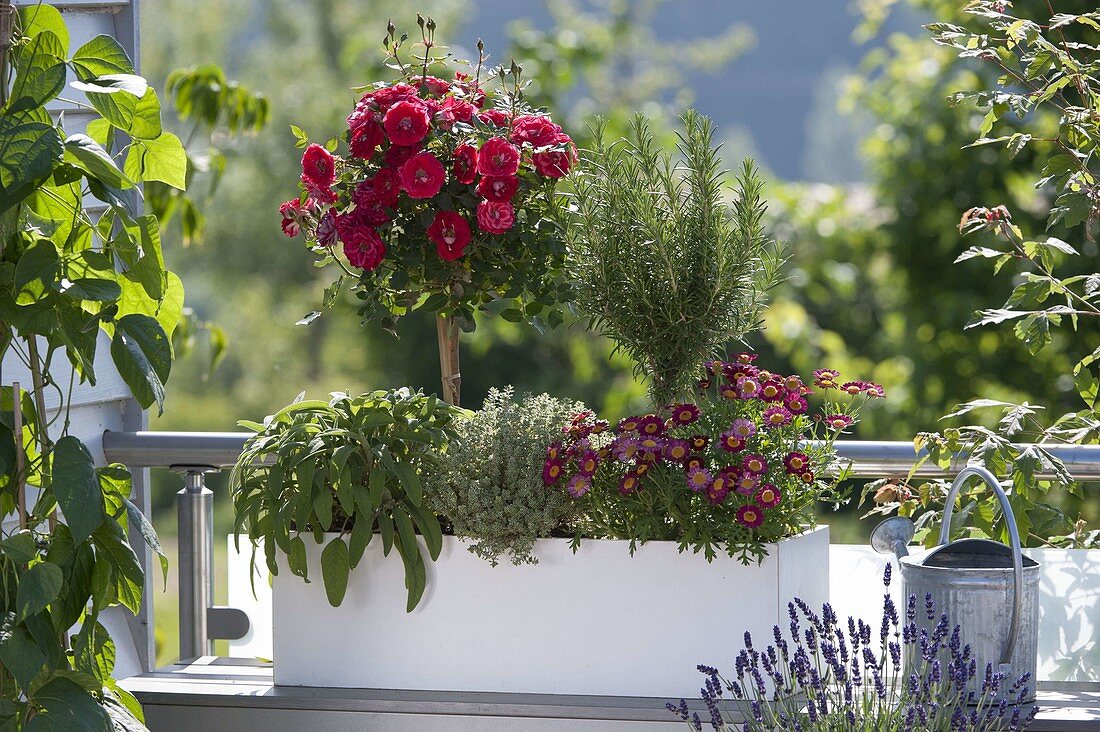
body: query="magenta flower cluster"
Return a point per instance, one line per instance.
(739, 448)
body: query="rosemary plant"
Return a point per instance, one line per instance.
(662, 266)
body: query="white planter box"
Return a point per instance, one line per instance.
(597, 622)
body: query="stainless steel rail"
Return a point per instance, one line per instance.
(197, 453)
(870, 459)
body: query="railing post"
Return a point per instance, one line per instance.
(195, 513)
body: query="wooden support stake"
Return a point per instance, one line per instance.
(447, 330)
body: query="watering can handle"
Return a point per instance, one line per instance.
(1014, 537)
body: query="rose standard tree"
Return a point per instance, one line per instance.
(442, 201)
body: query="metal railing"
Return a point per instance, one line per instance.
(195, 454)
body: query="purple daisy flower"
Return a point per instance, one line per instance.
(578, 485)
(743, 428)
(698, 479)
(624, 448)
(747, 484)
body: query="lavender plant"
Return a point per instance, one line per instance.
(835, 677)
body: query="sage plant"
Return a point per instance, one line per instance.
(831, 675)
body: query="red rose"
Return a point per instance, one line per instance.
(497, 157)
(326, 229)
(407, 122)
(293, 213)
(436, 87)
(387, 186)
(460, 109)
(495, 218)
(496, 117)
(556, 163)
(397, 155)
(498, 189)
(318, 195)
(362, 245)
(369, 208)
(365, 138)
(534, 129)
(465, 163)
(451, 235)
(422, 175)
(318, 166)
(388, 96)
(364, 112)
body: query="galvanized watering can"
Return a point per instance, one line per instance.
(991, 591)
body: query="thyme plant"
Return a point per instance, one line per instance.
(661, 265)
(489, 483)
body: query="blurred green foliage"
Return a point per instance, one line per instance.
(870, 288)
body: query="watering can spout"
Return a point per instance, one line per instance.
(892, 536)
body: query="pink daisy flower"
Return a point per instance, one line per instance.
(755, 464)
(628, 424)
(852, 387)
(750, 516)
(730, 442)
(838, 421)
(826, 378)
(684, 413)
(587, 463)
(796, 404)
(735, 371)
(796, 462)
(694, 461)
(748, 387)
(771, 390)
(777, 416)
(768, 496)
(651, 425)
(716, 494)
(793, 383)
(629, 483)
(551, 471)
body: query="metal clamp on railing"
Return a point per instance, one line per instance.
(201, 622)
